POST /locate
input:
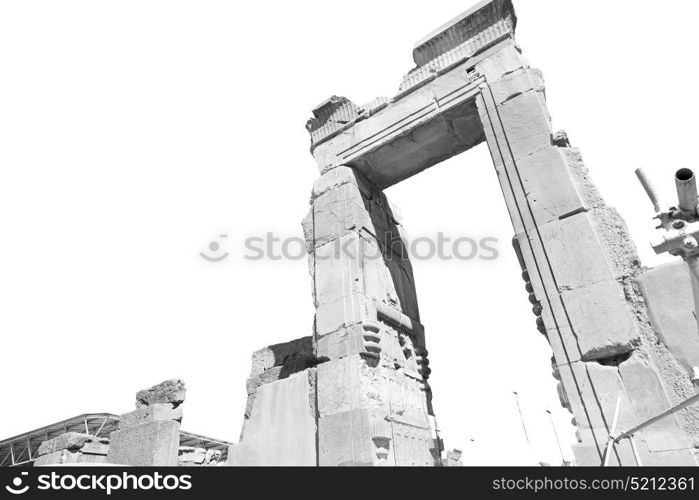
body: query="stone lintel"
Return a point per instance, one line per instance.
(462, 28)
(415, 131)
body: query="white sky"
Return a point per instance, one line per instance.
(133, 133)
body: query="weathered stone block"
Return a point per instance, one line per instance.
(345, 439)
(670, 458)
(349, 341)
(340, 176)
(339, 268)
(150, 444)
(573, 251)
(667, 290)
(592, 456)
(505, 61)
(70, 457)
(592, 391)
(338, 212)
(96, 448)
(355, 382)
(191, 456)
(550, 186)
(354, 264)
(281, 430)
(514, 84)
(564, 343)
(453, 458)
(344, 312)
(601, 320)
(277, 362)
(345, 210)
(170, 391)
(411, 445)
(153, 412)
(586, 188)
(294, 356)
(68, 441)
(648, 399)
(526, 124)
(619, 248)
(342, 386)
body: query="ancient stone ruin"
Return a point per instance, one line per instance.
(148, 436)
(357, 391)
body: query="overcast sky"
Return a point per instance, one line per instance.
(134, 133)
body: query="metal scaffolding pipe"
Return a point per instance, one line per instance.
(686, 184)
(689, 402)
(650, 189)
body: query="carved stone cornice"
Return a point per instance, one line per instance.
(331, 116)
(479, 19)
(460, 40)
(463, 37)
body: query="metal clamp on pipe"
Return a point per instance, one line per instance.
(681, 230)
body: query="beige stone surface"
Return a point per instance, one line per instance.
(667, 290)
(170, 391)
(582, 271)
(281, 430)
(153, 412)
(72, 448)
(149, 444)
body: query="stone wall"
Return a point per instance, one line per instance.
(73, 448)
(667, 289)
(279, 425)
(150, 435)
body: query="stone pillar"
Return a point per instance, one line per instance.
(581, 268)
(373, 400)
(150, 435)
(279, 427)
(73, 448)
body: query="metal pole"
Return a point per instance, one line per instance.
(521, 417)
(686, 184)
(693, 263)
(635, 451)
(694, 399)
(612, 441)
(650, 190)
(558, 441)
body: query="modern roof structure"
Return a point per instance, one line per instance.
(22, 449)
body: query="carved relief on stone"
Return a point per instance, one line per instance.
(382, 435)
(372, 338)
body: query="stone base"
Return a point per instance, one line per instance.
(154, 443)
(281, 430)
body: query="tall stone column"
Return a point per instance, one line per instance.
(373, 400)
(580, 268)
